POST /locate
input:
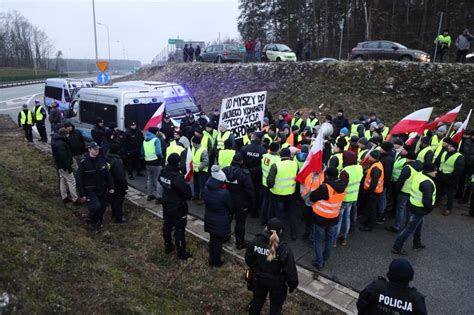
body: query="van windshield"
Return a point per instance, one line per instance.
(176, 106)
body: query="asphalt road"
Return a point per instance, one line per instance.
(443, 271)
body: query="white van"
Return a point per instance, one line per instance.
(120, 105)
(178, 97)
(62, 91)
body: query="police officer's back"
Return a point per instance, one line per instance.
(393, 296)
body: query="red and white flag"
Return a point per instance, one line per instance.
(189, 165)
(314, 161)
(458, 135)
(156, 119)
(413, 122)
(449, 117)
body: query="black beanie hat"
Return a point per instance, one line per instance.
(375, 154)
(410, 155)
(285, 152)
(173, 159)
(274, 147)
(386, 146)
(400, 270)
(275, 225)
(331, 172)
(425, 140)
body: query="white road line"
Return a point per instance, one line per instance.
(17, 98)
(10, 108)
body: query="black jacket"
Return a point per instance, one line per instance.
(133, 141)
(429, 156)
(217, 216)
(322, 193)
(281, 269)
(187, 127)
(167, 128)
(467, 150)
(97, 134)
(93, 176)
(76, 142)
(387, 159)
(375, 175)
(175, 191)
(339, 123)
(240, 186)
(61, 153)
(252, 154)
(118, 172)
(382, 297)
(451, 179)
(427, 189)
(406, 173)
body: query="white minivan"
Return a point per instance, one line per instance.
(62, 91)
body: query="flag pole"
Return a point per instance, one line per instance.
(449, 130)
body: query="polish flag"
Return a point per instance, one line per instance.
(189, 165)
(458, 135)
(156, 119)
(413, 122)
(314, 161)
(449, 117)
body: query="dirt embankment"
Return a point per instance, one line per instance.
(392, 89)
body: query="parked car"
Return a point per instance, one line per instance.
(387, 50)
(470, 58)
(221, 53)
(277, 52)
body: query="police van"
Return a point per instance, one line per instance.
(120, 105)
(62, 91)
(178, 97)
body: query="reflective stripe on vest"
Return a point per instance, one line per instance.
(285, 183)
(296, 122)
(397, 168)
(197, 157)
(173, 148)
(24, 120)
(38, 114)
(368, 178)
(385, 133)
(225, 157)
(311, 123)
(447, 166)
(221, 138)
(406, 188)
(416, 196)
(150, 150)
(361, 155)
(356, 172)
(421, 155)
(329, 209)
(268, 160)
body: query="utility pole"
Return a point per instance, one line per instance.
(439, 31)
(341, 27)
(95, 32)
(108, 44)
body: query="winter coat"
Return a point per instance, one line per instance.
(61, 153)
(322, 193)
(252, 154)
(240, 186)
(76, 142)
(133, 141)
(175, 191)
(93, 176)
(167, 128)
(387, 159)
(339, 123)
(97, 133)
(218, 202)
(467, 150)
(118, 172)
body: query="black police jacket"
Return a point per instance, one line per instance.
(382, 297)
(175, 191)
(133, 141)
(240, 185)
(281, 269)
(252, 154)
(118, 172)
(93, 176)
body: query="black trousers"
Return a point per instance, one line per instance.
(448, 189)
(464, 185)
(471, 206)
(461, 55)
(28, 132)
(116, 203)
(96, 204)
(240, 217)
(133, 162)
(257, 186)
(215, 249)
(370, 208)
(178, 223)
(261, 288)
(42, 131)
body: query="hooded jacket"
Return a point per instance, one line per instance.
(149, 136)
(175, 191)
(118, 172)
(218, 203)
(240, 185)
(61, 153)
(76, 142)
(322, 193)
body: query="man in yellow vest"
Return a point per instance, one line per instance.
(357, 127)
(225, 156)
(336, 158)
(438, 137)
(373, 189)
(222, 136)
(421, 203)
(443, 43)
(153, 155)
(25, 121)
(39, 116)
(425, 155)
(268, 159)
(312, 121)
(200, 167)
(282, 185)
(209, 137)
(450, 169)
(327, 201)
(382, 130)
(297, 120)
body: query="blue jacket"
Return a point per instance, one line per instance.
(217, 217)
(150, 136)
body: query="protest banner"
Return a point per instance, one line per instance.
(243, 111)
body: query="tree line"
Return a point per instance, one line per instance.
(413, 23)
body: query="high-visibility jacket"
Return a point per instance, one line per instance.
(221, 138)
(356, 172)
(397, 167)
(434, 142)
(406, 188)
(361, 155)
(354, 129)
(421, 155)
(211, 136)
(368, 178)
(368, 134)
(205, 140)
(416, 196)
(149, 149)
(329, 209)
(38, 113)
(285, 183)
(311, 183)
(26, 119)
(296, 122)
(285, 145)
(347, 142)
(291, 139)
(267, 136)
(225, 157)
(197, 159)
(312, 122)
(246, 139)
(268, 160)
(385, 132)
(338, 156)
(472, 178)
(443, 41)
(447, 165)
(173, 148)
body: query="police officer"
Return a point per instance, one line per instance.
(39, 116)
(394, 296)
(242, 193)
(176, 191)
(25, 121)
(93, 183)
(273, 268)
(133, 144)
(118, 173)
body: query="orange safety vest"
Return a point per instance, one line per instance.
(311, 185)
(329, 209)
(291, 139)
(368, 178)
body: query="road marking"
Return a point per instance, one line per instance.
(10, 108)
(20, 98)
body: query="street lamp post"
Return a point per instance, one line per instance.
(108, 44)
(95, 31)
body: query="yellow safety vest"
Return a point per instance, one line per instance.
(397, 167)
(447, 166)
(361, 154)
(173, 148)
(38, 114)
(267, 136)
(312, 122)
(356, 173)
(24, 120)
(246, 140)
(421, 155)
(225, 157)
(367, 134)
(296, 122)
(406, 188)
(338, 156)
(443, 40)
(434, 142)
(354, 131)
(150, 150)
(416, 196)
(268, 160)
(285, 183)
(211, 137)
(346, 147)
(197, 157)
(221, 138)
(385, 132)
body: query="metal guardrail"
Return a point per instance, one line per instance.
(18, 83)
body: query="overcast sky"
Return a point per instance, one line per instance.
(142, 27)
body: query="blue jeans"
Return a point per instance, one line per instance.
(354, 213)
(415, 222)
(402, 200)
(258, 55)
(322, 248)
(345, 218)
(199, 180)
(382, 202)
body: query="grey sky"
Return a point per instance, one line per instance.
(142, 26)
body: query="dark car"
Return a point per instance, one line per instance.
(221, 53)
(387, 50)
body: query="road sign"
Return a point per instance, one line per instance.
(172, 41)
(102, 78)
(102, 65)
